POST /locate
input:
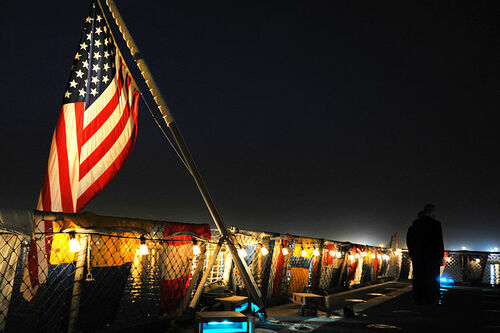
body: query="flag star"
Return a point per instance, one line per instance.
(89, 19)
(77, 56)
(97, 43)
(66, 95)
(106, 41)
(106, 54)
(95, 80)
(93, 91)
(73, 84)
(105, 29)
(99, 18)
(106, 67)
(89, 36)
(95, 67)
(79, 73)
(85, 64)
(105, 79)
(98, 30)
(83, 46)
(82, 92)
(97, 56)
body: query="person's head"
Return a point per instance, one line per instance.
(429, 210)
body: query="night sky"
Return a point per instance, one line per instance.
(333, 119)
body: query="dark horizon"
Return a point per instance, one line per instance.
(330, 120)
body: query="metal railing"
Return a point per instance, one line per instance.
(108, 284)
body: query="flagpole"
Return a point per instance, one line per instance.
(247, 278)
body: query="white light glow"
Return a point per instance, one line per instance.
(303, 253)
(196, 250)
(331, 253)
(143, 250)
(264, 251)
(316, 252)
(74, 245)
(284, 251)
(242, 253)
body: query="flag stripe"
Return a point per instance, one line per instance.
(64, 178)
(100, 119)
(121, 132)
(96, 147)
(97, 185)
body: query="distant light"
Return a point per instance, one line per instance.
(331, 253)
(264, 251)
(464, 248)
(242, 253)
(143, 249)
(284, 251)
(381, 245)
(338, 254)
(478, 260)
(363, 254)
(379, 256)
(372, 256)
(385, 257)
(351, 257)
(398, 251)
(196, 250)
(74, 244)
(448, 259)
(303, 252)
(495, 249)
(316, 252)
(357, 255)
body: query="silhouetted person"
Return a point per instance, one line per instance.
(425, 246)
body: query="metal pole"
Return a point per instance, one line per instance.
(77, 286)
(204, 278)
(194, 278)
(247, 278)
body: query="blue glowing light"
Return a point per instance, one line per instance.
(224, 326)
(446, 280)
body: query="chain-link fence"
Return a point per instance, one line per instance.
(86, 279)
(463, 267)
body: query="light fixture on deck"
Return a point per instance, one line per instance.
(303, 252)
(143, 249)
(263, 250)
(196, 248)
(316, 252)
(74, 244)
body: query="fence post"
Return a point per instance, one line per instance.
(77, 286)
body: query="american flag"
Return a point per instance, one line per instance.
(94, 136)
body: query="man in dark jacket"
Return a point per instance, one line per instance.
(425, 247)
